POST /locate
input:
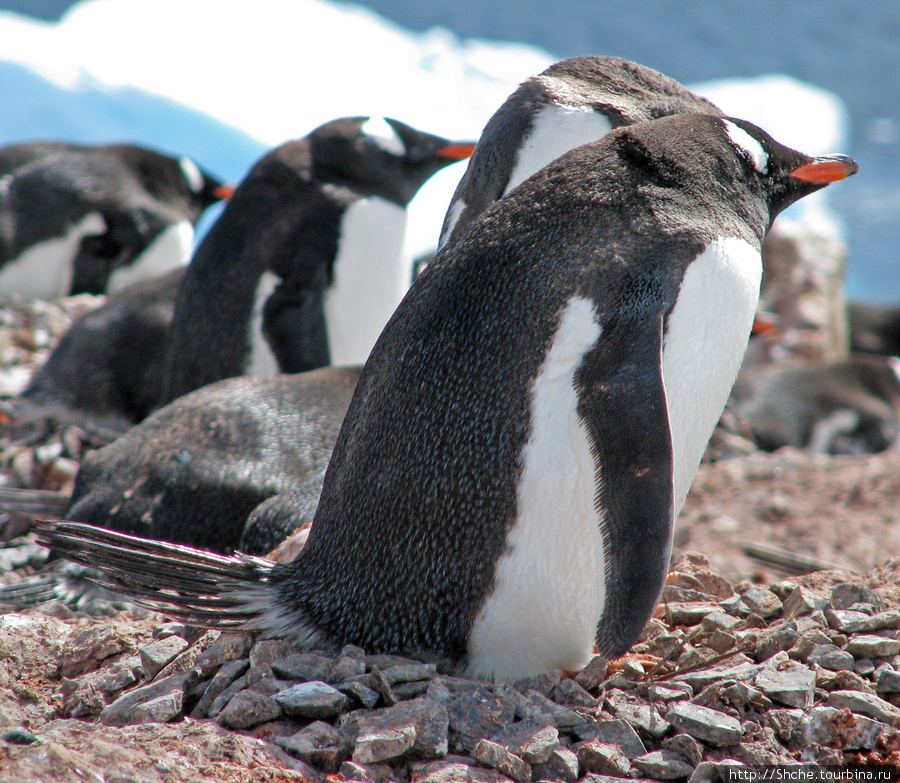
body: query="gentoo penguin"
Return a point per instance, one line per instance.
(571, 103)
(191, 489)
(874, 328)
(107, 370)
(846, 407)
(320, 284)
(92, 219)
(502, 492)
(302, 269)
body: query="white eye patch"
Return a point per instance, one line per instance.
(748, 145)
(381, 132)
(192, 174)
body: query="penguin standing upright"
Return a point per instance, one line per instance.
(501, 495)
(319, 285)
(302, 269)
(573, 102)
(92, 219)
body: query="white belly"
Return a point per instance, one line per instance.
(261, 360)
(704, 347)
(44, 271)
(550, 583)
(556, 130)
(171, 249)
(369, 278)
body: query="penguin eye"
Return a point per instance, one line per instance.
(380, 132)
(747, 146)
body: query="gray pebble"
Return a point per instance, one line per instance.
(247, 709)
(494, 755)
(830, 727)
(362, 693)
(888, 681)
(572, 694)
(875, 622)
(866, 704)
(543, 683)
(561, 767)
(844, 595)
(643, 717)
(687, 746)
(602, 758)
(663, 765)
(320, 744)
(219, 702)
(793, 685)
(378, 683)
(345, 667)
(613, 732)
(533, 740)
(479, 714)
(314, 699)
(158, 702)
(801, 601)
(870, 646)
(832, 657)
(303, 666)
(704, 724)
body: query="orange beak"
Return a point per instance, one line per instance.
(224, 192)
(826, 169)
(457, 151)
(765, 323)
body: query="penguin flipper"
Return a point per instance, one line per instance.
(273, 520)
(622, 401)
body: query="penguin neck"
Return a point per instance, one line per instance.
(217, 317)
(706, 337)
(170, 249)
(369, 277)
(261, 359)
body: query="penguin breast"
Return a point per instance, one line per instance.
(549, 585)
(703, 347)
(369, 278)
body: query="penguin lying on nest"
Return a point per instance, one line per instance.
(92, 219)
(846, 407)
(143, 484)
(502, 492)
(273, 287)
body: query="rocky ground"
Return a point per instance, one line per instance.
(745, 664)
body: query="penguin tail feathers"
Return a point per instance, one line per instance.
(199, 587)
(34, 502)
(57, 581)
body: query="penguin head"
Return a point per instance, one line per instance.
(624, 91)
(380, 157)
(571, 103)
(786, 174)
(724, 160)
(176, 182)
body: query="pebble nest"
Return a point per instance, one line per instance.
(803, 671)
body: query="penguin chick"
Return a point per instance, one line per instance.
(92, 219)
(501, 495)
